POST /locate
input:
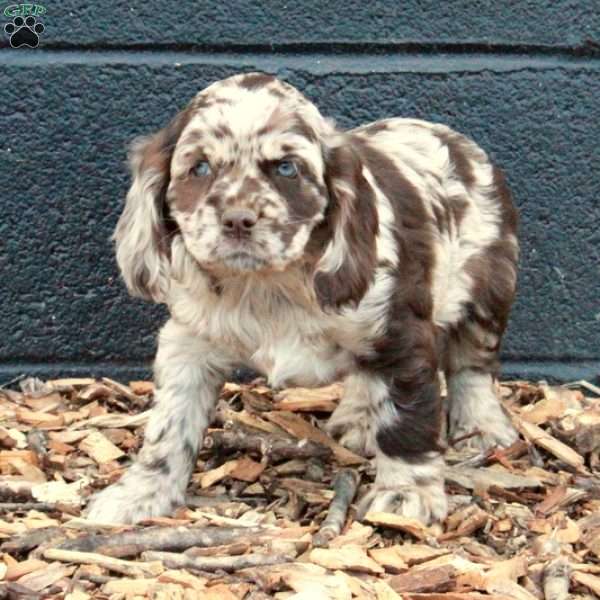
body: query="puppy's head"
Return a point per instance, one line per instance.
(250, 178)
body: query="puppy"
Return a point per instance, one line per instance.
(379, 255)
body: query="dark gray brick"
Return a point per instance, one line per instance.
(247, 22)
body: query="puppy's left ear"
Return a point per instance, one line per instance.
(347, 266)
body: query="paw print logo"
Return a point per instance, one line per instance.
(24, 32)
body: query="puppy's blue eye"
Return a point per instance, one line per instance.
(286, 168)
(202, 169)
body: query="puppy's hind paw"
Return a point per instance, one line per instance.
(498, 432)
(426, 503)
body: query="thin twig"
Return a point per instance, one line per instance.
(276, 448)
(23, 506)
(217, 563)
(13, 380)
(32, 539)
(117, 565)
(345, 485)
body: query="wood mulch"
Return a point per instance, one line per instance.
(271, 514)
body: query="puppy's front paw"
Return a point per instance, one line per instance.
(427, 503)
(412, 489)
(129, 502)
(353, 431)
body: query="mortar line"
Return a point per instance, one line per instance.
(318, 63)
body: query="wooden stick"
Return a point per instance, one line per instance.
(130, 543)
(345, 485)
(217, 563)
(276, 448)
(544, 440)
(235, 549)
(126, 567)
(32, 539)
(221, 500)
(22, 506)
(556, 579)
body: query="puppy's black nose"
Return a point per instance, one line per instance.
(238, 222)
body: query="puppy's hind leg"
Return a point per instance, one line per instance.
(473, 404)
(188, 377)
(474, 408)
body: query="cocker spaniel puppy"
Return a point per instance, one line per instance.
(381, 255)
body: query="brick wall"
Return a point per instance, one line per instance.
(520, 77)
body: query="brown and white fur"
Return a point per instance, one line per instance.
(388, 254)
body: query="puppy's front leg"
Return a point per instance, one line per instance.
(405, 408)
(188, 377)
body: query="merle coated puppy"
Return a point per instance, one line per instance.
(380, 255)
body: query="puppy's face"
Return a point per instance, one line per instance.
(251, 178)
(247, 175)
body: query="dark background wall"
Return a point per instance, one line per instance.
(520, 77)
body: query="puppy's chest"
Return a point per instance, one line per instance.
(290, 344)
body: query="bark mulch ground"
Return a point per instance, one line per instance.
(270, 512)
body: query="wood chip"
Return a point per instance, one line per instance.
(249, 419)
(18, 569)
(39, 419)
(400, 523)
(184, 579)
(247, 470)
(352, 558)
(416, 554)
(301, 429)
(484, 478)
(389, 559)
(8, 457)
(70, 382)
(439, 579)
(465, 522)
(591, 582)
(100, 448)
(324, 399)
(42, 578)
(544, 440)
(142, 388)
(29, 471)
(219, 592)
(129, 587)
(523, 522)
(215, 475)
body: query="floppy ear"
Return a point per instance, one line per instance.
(347, 265)
(144, 231)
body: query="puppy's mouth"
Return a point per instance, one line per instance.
(243, 261)
(240, 255)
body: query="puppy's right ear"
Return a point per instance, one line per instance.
(144, 232)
